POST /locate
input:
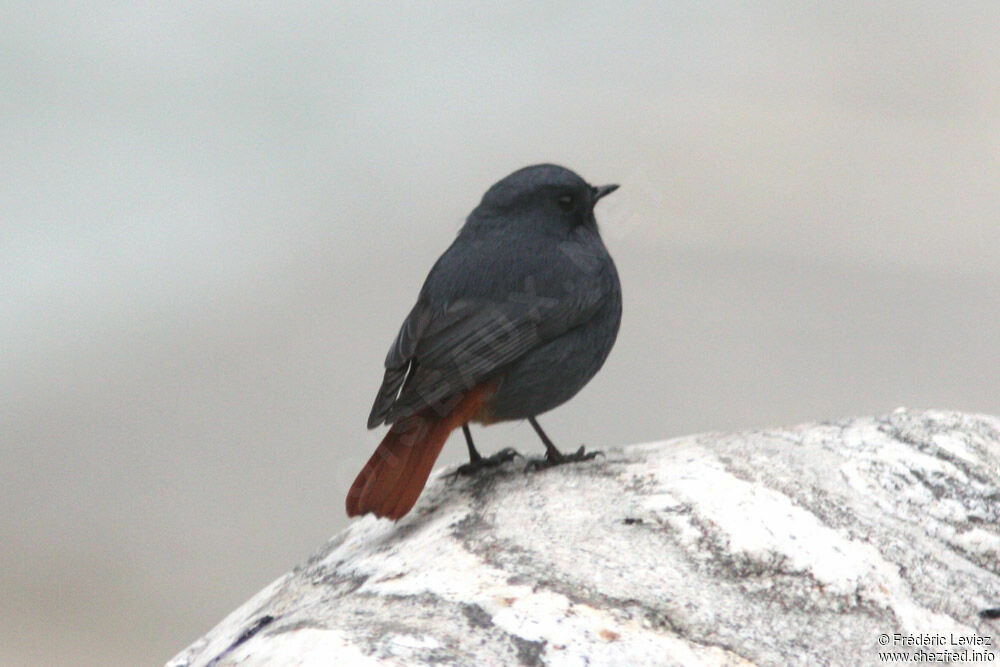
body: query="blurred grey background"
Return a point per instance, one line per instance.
(216, 215)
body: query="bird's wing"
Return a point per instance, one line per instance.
(441, 352)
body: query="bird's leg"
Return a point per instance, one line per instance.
(474, 456)
(553, 457)
(477, 462)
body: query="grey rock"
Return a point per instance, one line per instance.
(789, 546)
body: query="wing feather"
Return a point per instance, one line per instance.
(436, 356)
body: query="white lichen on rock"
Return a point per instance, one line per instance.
(804, 543)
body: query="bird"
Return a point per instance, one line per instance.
(514, 318)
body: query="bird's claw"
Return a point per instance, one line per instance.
(501, 457)
(549, 461)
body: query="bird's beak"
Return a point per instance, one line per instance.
(602, 191)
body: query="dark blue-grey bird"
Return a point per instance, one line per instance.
(514, 319)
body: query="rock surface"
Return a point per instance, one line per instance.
(801, 545)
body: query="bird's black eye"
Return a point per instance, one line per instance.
(567, 202)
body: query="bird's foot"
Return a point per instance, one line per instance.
(555, 458)
(483, 463)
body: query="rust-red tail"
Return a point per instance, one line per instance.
(391, 481)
